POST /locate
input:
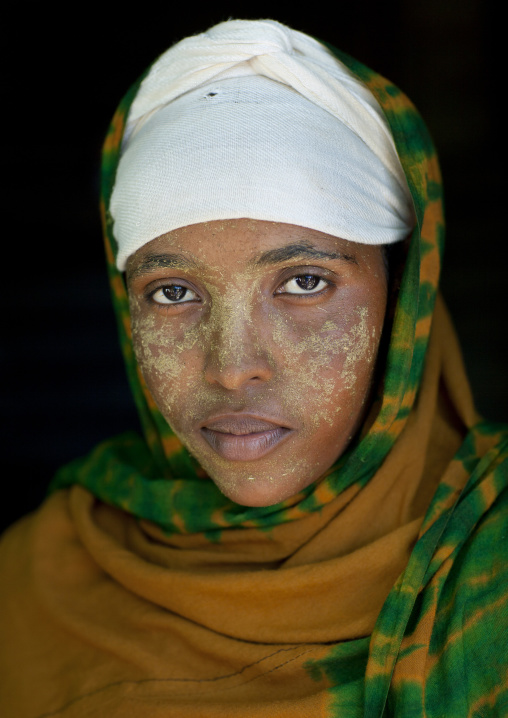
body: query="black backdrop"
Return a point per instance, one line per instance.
(64, 387)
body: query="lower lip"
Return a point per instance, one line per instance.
(245, 447)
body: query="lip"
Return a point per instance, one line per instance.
(243, 437)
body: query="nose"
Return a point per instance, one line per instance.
(236, 356)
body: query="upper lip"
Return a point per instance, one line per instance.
(241, 424)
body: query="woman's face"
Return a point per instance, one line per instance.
(258, 342)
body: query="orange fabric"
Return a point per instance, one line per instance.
(92, 600)
(346, 598)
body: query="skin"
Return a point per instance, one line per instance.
(253, 320)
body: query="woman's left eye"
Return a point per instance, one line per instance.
(304, 284)
(173, 294)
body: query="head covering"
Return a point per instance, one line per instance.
(269, 125)
(138, 589)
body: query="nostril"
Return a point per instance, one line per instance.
(236, 375)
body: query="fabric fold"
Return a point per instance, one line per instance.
(138, 590)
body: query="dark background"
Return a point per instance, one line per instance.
(64, 387)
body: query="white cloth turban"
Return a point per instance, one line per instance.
(253, 119)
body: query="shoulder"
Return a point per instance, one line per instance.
(467, 652)
(33, 552)
(452, 658)
(35, 532)
(47, 575)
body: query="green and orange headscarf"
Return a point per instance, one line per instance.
(164, 458)
(379, 590)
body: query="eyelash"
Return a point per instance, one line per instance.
(171, 303)
(302, 294)
(299, 295)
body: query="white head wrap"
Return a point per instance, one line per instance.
(253, 119)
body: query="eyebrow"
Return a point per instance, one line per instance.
(300, 250)
(161, 261)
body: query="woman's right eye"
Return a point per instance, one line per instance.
(173, 294)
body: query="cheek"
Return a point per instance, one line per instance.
(327, 372)
(167, 359)
(322, 375)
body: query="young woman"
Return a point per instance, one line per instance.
(312, 523)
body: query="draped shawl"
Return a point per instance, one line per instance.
(137, 589)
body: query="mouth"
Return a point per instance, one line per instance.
(243, 437)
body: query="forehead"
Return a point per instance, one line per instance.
(237, 243)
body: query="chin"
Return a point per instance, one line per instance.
(259, 491)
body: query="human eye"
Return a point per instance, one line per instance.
(304, 284)
(173, 294)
